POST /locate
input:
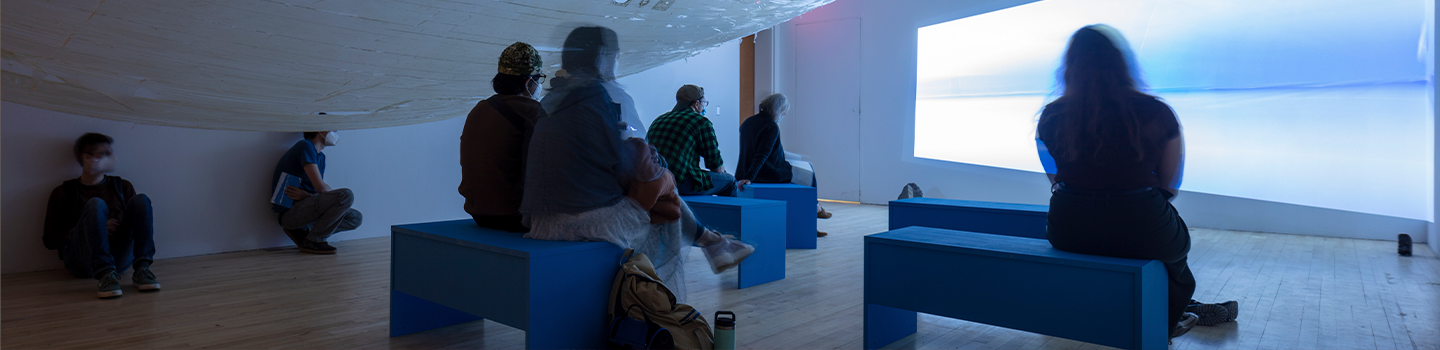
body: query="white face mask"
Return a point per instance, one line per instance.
(331, 138)
(102, 165)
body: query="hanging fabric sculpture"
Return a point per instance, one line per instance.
(325, 65)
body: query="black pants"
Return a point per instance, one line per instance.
(1136, 226)
(507, 223)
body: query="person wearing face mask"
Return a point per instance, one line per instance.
(99, 225)
(683, 136)
(496, 138)
(318, 211)
(763, 158)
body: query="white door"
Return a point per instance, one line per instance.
(824, 118)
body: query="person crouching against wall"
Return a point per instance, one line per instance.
(99, 225)
(318, 211)
(496, 139)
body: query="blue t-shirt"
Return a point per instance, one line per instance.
(293, 163)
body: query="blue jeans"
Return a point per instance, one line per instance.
(721, 184)
(92, 250)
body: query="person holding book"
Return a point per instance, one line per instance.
(496, 138)
(99, 225)
(314, 211)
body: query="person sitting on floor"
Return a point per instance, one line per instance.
(584, 182)
(319, 211)
(99, 225)
(496, 138)
(683, 136)
(762, 157)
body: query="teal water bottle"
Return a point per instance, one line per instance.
(724, 331)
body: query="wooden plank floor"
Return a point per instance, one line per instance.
(1296, 292)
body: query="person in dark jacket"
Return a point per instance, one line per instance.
(496, 138)
(762, 157)
(99, 225)
(585, 181)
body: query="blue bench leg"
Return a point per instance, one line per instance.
(568, 301)
(885, 325)
(765, 230)
(410, 314)
(562, 327)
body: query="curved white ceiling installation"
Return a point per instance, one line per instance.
(320, 65)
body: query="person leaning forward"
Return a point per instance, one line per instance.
(318, 211)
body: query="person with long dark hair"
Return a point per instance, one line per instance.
(1115, 157)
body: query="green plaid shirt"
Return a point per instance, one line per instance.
(682, 137)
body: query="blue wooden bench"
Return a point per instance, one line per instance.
(451, 272)
(1010, 219)
(1012, 282)
(800, 204)
(758, 222)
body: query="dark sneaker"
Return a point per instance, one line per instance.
(145, 280)
(297, 235)
(1214, 314)
(109, 286)
(1187, 321)
(313, 247)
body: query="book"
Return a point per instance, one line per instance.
(278, 197)
(802, 173)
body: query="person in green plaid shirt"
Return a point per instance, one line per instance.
(684, 135)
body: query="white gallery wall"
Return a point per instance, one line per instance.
(1434, 234)
(876, 144)
(210, 188)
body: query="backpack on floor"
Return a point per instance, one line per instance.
(911, 190)
(644, 314)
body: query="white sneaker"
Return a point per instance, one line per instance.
(727, 254)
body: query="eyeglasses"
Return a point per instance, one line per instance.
(704, 103)
(539, 79)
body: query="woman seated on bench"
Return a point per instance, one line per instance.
(1114, 156)
(579, 172)
(763, 158)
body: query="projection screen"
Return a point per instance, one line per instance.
(1321, 103)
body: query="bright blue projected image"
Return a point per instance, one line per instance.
(1321, 103)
